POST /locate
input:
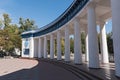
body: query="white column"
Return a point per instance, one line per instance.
(116, 33)
(31, 47)
(101, 50)
(39, 48)
(22, 48)
(58, 45)
(87, 51)
(92, 37)
(77, 42)
(42, 48)
(104, 48)
(67, 44)
(35, 47)
(51, 46)
(45, 47)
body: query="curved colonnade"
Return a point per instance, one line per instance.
(81, 16)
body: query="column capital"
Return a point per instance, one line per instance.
(86, 31)
(77, 18)
(58, 30)
(92, 4)
(66, 26)
(51, 34)
(45, 36)
(101, 23)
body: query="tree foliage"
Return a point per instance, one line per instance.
(7, 20)
(110, 43)
(10, 33)
(62, 46)
(83, 42)
(26, 25)
(9, 36)
(1, 24)
(72, 44)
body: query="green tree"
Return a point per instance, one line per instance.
(71, 45)
(62, 46)
(1, 24)
(99, 44)
(26, 25)
(55, 47)
(110, 42)
(48, 46)
(83, 42)
(6, 21)
(9, 36)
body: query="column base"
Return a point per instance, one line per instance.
(59, 59)
(117, 76)
(94, 68)
(78, 63)
(67, 61)
(52, 58)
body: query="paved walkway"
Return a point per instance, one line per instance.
(106, 72)
(23, 69)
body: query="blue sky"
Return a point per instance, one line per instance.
(41, 11)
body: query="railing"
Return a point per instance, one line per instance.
(69, 13)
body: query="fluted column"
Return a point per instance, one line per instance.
(77, 42)
(31, 47)
(67, 44)
(104, 48)
(92, 37)
(39, 48)
(87, 51)
(58, 45)
(116, 33)
(45, 47)
(51, 46)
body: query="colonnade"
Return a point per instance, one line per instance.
(92, 53)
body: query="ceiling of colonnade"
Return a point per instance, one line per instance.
(103, 14)
(41, 11)
(103, 11)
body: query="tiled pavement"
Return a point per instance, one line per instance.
(24, 69)
(106, 72)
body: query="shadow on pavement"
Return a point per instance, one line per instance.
(43, 71)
